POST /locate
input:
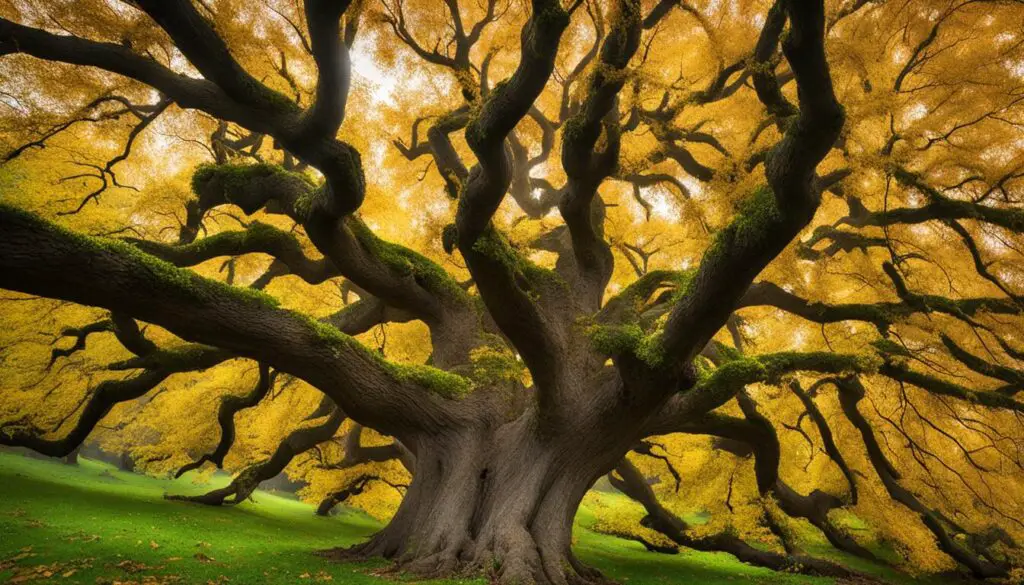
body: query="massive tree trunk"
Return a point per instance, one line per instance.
(498, 470)
(500, 501)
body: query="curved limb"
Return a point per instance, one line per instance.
(631, 482)
(163, 363)
(35, 256)
(245, 482)
(229, 406)
(850, 393)
(774, 215)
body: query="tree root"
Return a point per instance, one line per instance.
(526, 566)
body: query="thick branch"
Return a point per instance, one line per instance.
(501, 276)
(632, 483)
(774, 215)
(257, 238)
(38, 257)
(587, 166)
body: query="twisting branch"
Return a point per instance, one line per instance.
(506, 282)
(647, 448)
(851, 392)
(245, 483)
(628, 479)
(144, 113)
(938, 208)
(586, 165)
(229, 406)
(323, 19)
(81, 335)
(352, 488)
(816, 506)
(257, 238)
(901, 372)
(40, 258)
(775, 214)
(161, 364)
(732, 376)
(1013, 377)
(827, 438)
(882, 314)
(357, 454)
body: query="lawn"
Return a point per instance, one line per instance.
(94, 524)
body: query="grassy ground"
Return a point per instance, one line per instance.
(94, 524)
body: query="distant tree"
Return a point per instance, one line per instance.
(520, 354)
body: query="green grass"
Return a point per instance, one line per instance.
(98, 525)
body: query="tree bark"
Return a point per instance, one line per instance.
(499, 501)
(72, 457)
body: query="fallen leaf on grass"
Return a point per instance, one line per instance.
(39, 572)
(133, 566)
(8, 563)
(81, 536)
(203, 558)
(146, 580)
(153, 545)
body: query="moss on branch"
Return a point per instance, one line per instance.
(732, 375)
(495, 246)
(406, 262)
(437, 381)
(163, 272)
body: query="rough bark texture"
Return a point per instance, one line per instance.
(500, 501)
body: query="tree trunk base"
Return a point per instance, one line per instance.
(519, 565)
(497, 503)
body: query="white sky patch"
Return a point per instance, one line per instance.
(378, 151)
(914, 198)
(1003, 38)
(663, 204)
(989, 242)
(1001, 155)
(382, 82)
(1016, 68)
(694, 186)
(914, 113)
(799, 339)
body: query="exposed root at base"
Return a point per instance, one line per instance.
(538, 569)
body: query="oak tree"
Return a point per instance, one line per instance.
(479, 255)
